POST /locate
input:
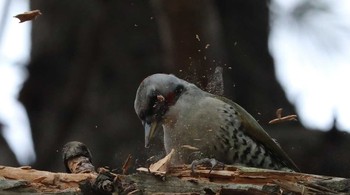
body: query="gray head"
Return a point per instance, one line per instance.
(154, 96)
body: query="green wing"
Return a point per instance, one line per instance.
(255, 131)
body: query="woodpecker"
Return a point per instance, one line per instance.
(201, 125)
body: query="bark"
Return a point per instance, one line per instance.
(230, 180)
(26, 179)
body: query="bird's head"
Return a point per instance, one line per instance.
(154, 96)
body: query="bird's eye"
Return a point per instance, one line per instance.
(179, 89)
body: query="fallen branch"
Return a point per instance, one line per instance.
(179, 180)
(162, 178)
(26, 179)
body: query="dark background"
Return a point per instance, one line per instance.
(89, 56)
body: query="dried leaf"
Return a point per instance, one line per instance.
(26, 16)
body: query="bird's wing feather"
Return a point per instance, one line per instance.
(255, 131)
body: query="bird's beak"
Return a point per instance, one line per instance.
(150, 130)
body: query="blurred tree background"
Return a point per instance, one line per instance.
(88, 58)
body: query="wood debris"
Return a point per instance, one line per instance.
(160, 98)
(159, 168)
(27, 16)
(197, 37)
(127, 164)
(163, 164)
(45, 181)
(216, 82)
(164, 178)
(179, 179)
(189, 147)
(281, 119)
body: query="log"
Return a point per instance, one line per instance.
(162, 178)
(26, 179)
(178, 179)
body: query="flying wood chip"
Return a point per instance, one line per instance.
(189, 147)
(26, 16)
(280, 119)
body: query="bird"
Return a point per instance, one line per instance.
(200, 125)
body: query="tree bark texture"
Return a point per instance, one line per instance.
(179, 180)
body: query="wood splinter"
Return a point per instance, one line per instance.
(27, 16)
(281, 119)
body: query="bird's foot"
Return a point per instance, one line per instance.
(206, 161)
